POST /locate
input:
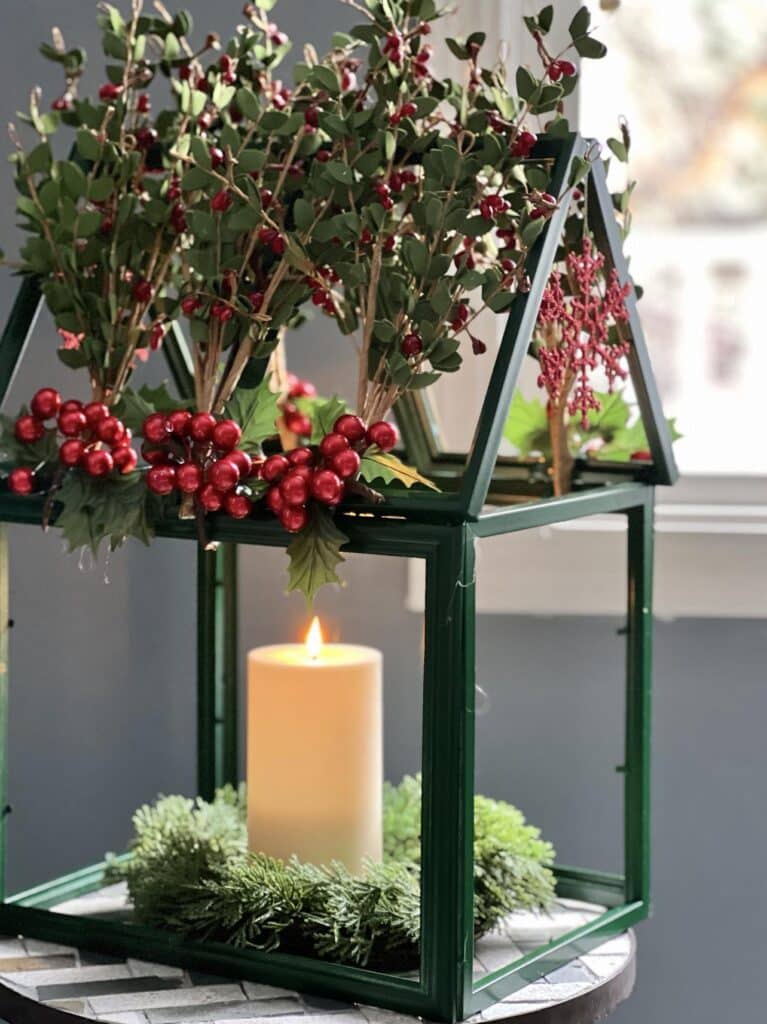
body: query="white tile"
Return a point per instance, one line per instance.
(321, 1018)
(496, 950)
(263, 1010)
(517, 1009)
(37, 948)
(145, 968)
(125, 1018)
(167, 997)
(377, 1015)
(69, 975)
(11, 948)
(604, 966)
(619, 946)
(255, 990)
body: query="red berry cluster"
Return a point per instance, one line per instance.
(561, 69)
(296, 421)
(322, 473)
(491, 206)
(523, 144)
(197, 454)
(321, 284)
(84, 427)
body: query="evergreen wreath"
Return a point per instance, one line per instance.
(189, 871)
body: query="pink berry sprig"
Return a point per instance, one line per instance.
(296, 421)
(197, 456)
(92, 438)
(321, 474)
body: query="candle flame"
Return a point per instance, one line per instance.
(314, 639)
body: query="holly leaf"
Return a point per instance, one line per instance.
(256, 411)
(93, 511)
(527, 427)
(15, 453)
(323, 412)
(315, 554)
(378, 465)
(134, 406)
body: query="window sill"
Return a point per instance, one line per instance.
(711, 559)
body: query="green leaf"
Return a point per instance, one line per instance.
(580, 23)
(315, 554)
(326, 78)
(73, 178)
(526, 84)
(256, 410)
(590, 48)
(619, 149)
(527, 426)
(88, 145)
(303, 214)
(323, 413)
(339, 172)
(378, 465)
(545, 18)
(134, 406)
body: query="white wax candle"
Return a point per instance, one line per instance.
(315, 759)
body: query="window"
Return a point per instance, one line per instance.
(693, 84)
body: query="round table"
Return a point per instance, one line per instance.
(43, 983)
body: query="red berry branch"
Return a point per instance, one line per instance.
(574, 340)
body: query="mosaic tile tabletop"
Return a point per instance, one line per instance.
(102, 988)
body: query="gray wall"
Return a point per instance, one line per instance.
(102, 687)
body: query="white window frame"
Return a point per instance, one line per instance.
(711, 529)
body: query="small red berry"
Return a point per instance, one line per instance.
(266, 196)
(302, 456)
(109, 91)
(143, 103)
(21, 480)
(210, 499)
(154, 456)
(125, 459)
(226, 435)
(332, 444)
(275, 467)
(312, 116)
(294, 518)
(94, 412)
(224, 475)
(383, 435)
(411, 346)
(641, 456)
(143, 290)
(302, 389)
(567, 68)
(190, 304)
(201, 426)
(71, 405)
(161, 479)
(295, 489)
(274, 500)
(222, 312)
(71, 452)
(28, 429)
(346, 464)
(242, 461)
(72, 424)
(238, 506)
(45, 403)
(216, 157)
(351, 427)
(98, 463)
(298, 423)
(221, 201)
(256, 300)
(188, 477)
(177, 422)
(155, 428)
(327, 487)
(110, 430)
(62, 103)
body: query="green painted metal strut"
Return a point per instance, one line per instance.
(217, 745)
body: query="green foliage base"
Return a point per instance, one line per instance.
(191, 872)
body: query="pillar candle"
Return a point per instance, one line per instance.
(315, 761)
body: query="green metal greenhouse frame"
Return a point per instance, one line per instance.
(442, 529)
